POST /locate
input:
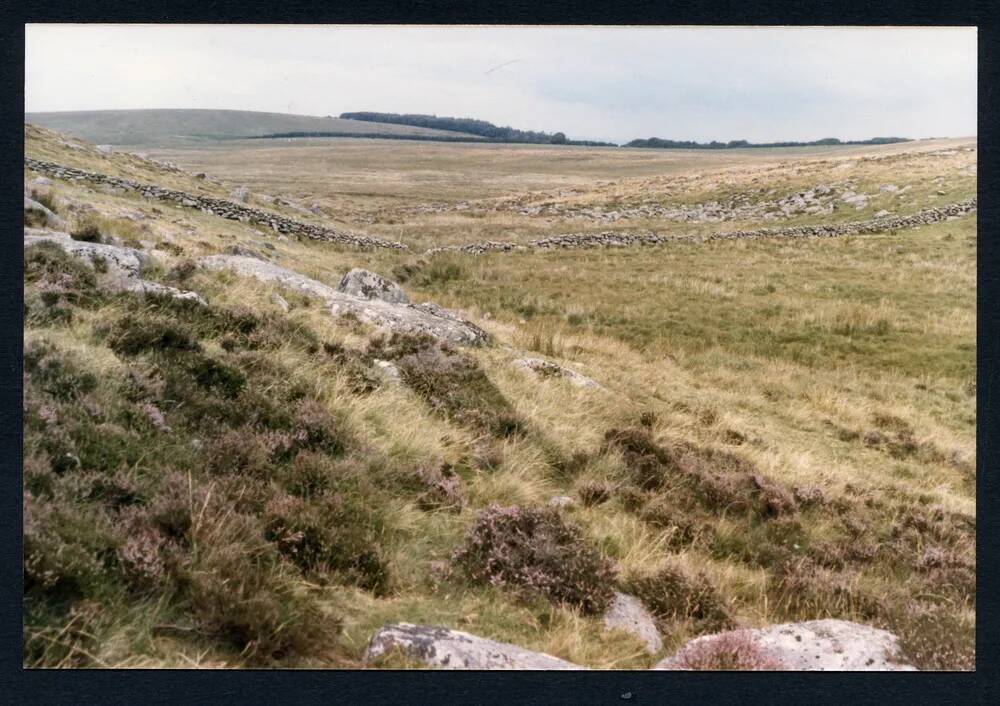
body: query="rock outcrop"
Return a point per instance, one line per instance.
(452, 649)
(369, 285)
(219, 207)
(42, 214)
(123, 266)
(629, 614)
(544, 368)
(408, 318)
(816, 645)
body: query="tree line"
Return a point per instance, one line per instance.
(493, 133)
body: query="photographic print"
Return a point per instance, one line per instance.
(499, 347)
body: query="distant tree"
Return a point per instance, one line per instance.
(559, 138)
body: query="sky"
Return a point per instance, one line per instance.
(606, 83)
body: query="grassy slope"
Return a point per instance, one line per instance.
(159, 127)
(790, 355)
(376, 183)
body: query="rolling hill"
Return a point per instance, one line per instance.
(173, 127)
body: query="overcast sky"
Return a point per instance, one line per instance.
(589, 82)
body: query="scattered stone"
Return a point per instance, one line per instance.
(888, 188)
(629, 614)
(544, 368)
(561, 501)
(452, 649)
(105, 149)
(816, 645)
(369, 285)
(388, 371)
(241, 194)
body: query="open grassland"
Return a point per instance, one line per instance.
(435, 194)
(786, 430)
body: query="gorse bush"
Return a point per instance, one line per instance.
(534, 550)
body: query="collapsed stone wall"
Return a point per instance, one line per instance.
(219, 207)
(620, 239)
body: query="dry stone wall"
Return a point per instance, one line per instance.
(621, 239)
(219, 207)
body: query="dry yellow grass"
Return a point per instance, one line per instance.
(786, 354)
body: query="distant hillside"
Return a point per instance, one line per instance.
(657, 143)
(472, 126)
(165, 127)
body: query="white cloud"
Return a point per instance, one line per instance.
(597, 82)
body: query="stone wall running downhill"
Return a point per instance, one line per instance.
(219, 207)
(620, 238)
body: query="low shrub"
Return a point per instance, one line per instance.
(442, 489)
(595, 492)
(55, 283)
(730, 651)
(55, 372)
(450, 381)
(87, 233)
(535, 551)
(132, 335)
(718, 480)
(672, 593)
(935, 638)
(331, 532)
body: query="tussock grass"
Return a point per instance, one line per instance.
(793, 423)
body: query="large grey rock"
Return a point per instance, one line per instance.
(816, 645)
(126, 261)
(452, 649)
(629, 614)
(369, 285)
(48, 217)
(544, 368)
(122, 266)
(407, 318)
